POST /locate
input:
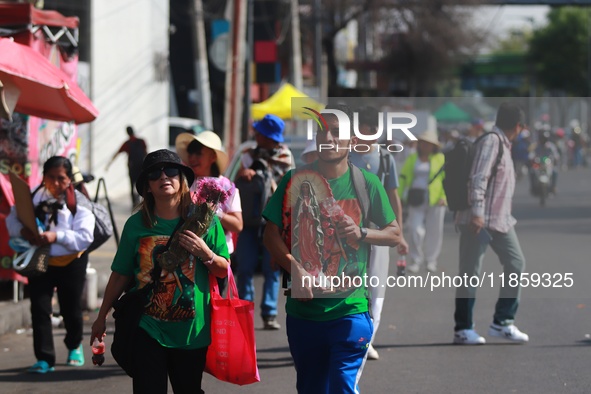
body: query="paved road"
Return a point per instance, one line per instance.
(415, 336)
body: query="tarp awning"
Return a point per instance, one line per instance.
(14, 14)
(449, 112)
(279, 103)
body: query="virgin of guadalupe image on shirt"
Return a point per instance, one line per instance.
(172, 298)
(310, 217)
(313, 239)
(307, 237)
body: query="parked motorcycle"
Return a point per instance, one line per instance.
(542, 169)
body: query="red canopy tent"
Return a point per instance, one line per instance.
(26, 14)
(26, 141)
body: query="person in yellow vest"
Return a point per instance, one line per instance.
(421, 185)
(69, 235)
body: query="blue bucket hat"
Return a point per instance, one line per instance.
(271, 126)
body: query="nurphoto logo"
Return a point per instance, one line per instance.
(393, 122)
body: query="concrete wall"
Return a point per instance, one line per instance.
(129, 83)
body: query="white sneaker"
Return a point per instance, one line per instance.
(432, 267)
(468, 337)
(372, 353)
(510, 333)
(413, 268)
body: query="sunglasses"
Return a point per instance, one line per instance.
(168, 171)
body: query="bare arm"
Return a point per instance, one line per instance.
(115, 287)
(277, 249)
(387, 236)
(232, 221)
(198, 248)
(397, 207)
(280, 255)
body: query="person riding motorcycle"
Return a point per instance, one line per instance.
(545, 148)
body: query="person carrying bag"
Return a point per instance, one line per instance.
(58, 261)
(421, 180)
(175, 326)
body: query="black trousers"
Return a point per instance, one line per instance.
(154, 364)
(69, 281)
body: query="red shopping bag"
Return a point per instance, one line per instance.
(231, 357)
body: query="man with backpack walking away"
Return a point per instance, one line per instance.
(488, 220)
(136, 150)
(260, 171)
(380, 162)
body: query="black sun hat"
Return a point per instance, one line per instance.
(161, 158)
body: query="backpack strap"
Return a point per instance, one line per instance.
(361, 191)
(437, 174)
(384, 170)
(359, 184)
(71, 199)
(36, 190)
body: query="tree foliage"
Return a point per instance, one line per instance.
(517, 41)
(428, 40)
(559, 51)
(420, 41)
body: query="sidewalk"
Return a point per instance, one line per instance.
(14, 316)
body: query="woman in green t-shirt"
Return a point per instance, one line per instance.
(174, 331)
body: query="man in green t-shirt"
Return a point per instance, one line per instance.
(316, 231)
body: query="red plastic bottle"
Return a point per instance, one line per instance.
(401, 266)
(98, 352)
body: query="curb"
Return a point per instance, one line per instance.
(14, 315)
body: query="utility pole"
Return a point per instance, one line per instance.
(248, 74)
(235, 77)
(201, 66)
(296, 46)
(318, 52)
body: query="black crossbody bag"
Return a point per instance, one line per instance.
(128, 311)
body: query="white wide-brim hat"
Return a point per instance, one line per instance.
(206, 138)
(430, 135)
(77, 176)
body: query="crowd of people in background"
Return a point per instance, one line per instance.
(567, 147)
(252, 228)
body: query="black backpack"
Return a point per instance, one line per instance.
(385, 161)
(255, 194)
(458, 164)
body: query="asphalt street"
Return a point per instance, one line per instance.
(414, 340)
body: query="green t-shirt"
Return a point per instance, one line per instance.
(288, 215)
(177, 315)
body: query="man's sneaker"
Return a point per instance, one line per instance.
(510, 333)
(372, 353)
(432, 267)
(271, 323)
(468, 337)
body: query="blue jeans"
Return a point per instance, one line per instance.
(506, 247)
(328, 354)
(249, 250)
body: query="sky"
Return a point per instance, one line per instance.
(498, 21)
(501, 19)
